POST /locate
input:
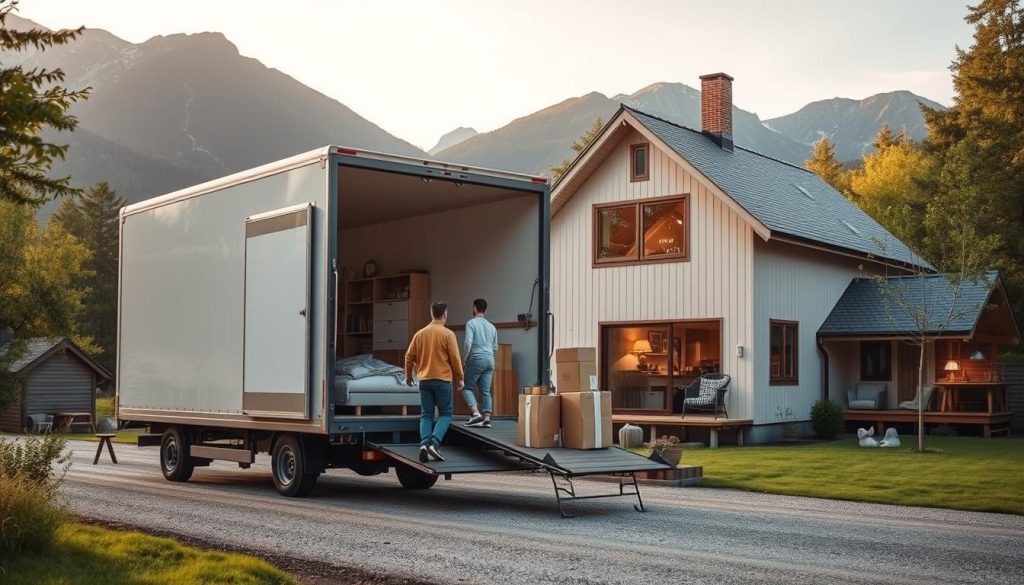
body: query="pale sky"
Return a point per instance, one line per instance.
(421, 68)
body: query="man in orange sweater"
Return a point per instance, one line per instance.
(433, 355)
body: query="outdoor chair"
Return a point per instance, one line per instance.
(912, 404)
(868, 396)
(41, 423)
(706, 393)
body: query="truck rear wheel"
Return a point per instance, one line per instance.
(175, 461)
(413, 479)
(290, 467)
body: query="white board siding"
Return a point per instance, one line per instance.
(793, 283)
(714, 284)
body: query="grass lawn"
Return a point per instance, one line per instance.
(129, 437)
(963, 473)
(104, 407)
(88, 555)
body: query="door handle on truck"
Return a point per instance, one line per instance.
(302, 313)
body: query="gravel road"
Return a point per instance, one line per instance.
(504, 528)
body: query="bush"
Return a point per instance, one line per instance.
(31, 509)
(827, 418)
(30, 514)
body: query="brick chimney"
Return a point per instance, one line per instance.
(716, 108)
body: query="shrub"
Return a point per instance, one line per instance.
(31, 509)
(30, 514)
(827, 418)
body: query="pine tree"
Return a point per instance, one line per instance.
(92, 218)
(578, 146)
(32, 100)
(823, 163)
(884, 139)
(980, 140)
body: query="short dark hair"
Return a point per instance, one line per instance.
(481, 305)
(438, 309)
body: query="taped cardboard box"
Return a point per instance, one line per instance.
(536, 390)
(576, 377)
(539, 420)
(575, 354)
(586, 420)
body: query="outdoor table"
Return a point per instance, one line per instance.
(951, 394)
(65, 421)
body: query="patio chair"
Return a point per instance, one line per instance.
(41, 423)
(868, 396)
(706, 393)
(912, 404)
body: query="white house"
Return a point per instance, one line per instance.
(675, 252)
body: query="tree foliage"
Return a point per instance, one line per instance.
(32, 100)
(93, 220)
(39, 268)
(823, 163)
(578, 146)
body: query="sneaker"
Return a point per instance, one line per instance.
(424, 455)
(432, 450)
(475, 421)
(486, 424)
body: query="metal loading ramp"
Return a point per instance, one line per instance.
(480, 450)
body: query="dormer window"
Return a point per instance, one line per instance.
(639, 162)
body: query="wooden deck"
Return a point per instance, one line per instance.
(990, 423)
(691, 420)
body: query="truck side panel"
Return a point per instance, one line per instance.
(182, 312)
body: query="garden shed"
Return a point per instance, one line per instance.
(56, 376)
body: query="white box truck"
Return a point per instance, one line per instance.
(237, 298)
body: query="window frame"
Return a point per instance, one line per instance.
(861, 353)
(781, 379)
(635, 177)
(639, 257)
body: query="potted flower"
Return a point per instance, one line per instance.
(667, 448)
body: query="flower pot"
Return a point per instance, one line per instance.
(672, 455)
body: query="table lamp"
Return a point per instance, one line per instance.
(641, 347)
(951, 366)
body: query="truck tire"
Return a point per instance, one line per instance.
(175, 461)
(413, 479)
(289, 465)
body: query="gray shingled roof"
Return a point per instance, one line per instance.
(35, 348)
(785, 198)
(867, 307)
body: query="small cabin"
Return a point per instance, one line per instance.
(56, 376)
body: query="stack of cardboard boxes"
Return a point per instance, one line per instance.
(583, 413)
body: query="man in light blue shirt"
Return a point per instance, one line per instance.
(481, 346)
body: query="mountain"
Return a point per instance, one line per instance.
(535, 143)
(853, 124)
(176, 110)
(452, 138)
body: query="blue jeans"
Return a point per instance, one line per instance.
(435, 393)
(479, 373)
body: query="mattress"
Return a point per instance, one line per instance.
(375, 391)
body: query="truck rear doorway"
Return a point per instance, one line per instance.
(480, 450)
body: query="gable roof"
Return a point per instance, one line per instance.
(867, 308)
(785, 199)
(38, 349)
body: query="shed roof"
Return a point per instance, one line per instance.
(868, 307)
(38, 349)
(784, 198)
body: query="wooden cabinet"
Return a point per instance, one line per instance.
(380, 315)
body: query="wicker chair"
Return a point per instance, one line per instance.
(706, 393)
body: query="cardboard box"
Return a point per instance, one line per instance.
(536, 390)
(575, 354)
(539, 420)
(586, 420)
(576, 377)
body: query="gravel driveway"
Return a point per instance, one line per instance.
(504, 528)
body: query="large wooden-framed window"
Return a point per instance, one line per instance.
(646, 230)
(639, 162)
(783, 351)
(876, 361)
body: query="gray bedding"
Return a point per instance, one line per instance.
(374, 391)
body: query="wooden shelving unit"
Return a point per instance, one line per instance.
(380, 315)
